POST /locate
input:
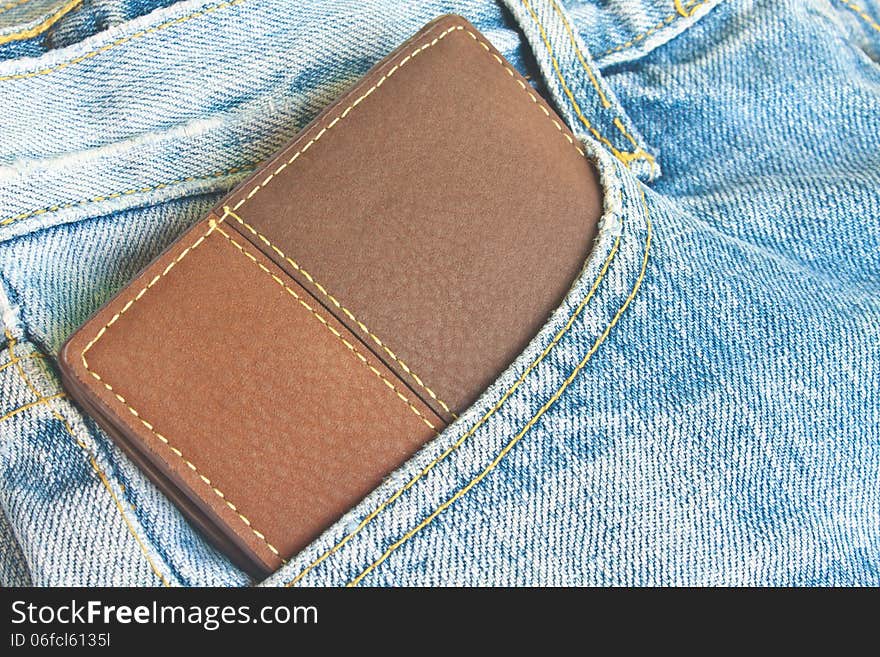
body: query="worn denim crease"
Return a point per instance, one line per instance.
(127, 192)
(44, 25)
(124, 40)
(46, 400)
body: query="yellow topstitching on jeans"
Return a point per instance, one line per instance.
(862, 14)
(605, 102)
(461, 440)
(684, 12)
(48, 22)
(13, 5)
(553, 399)
(119, 42)
(13, 362)
(580, 55)
(122, 513)
(348, 345)
(24, 407)
(623, 156)
(335, 302)
(85, 448)
(690, 6)
(127, 192)
(213, 226)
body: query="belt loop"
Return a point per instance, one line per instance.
(582, 96)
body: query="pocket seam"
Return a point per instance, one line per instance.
(103, 198)
(461, 492)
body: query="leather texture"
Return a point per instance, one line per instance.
(342, 305)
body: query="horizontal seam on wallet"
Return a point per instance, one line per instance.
(363, 359)
(336, 302)
(213, 226)
(461, 492)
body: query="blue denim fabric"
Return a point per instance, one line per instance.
(701, 409)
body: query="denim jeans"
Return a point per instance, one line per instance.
(701, 409)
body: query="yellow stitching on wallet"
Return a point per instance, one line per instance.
(553, 399)
(458, 443)
(336, 302)
(378, 84)
(363, 359)
(213, 225)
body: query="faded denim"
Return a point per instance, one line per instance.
(702, 409)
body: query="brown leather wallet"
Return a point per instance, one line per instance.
(341, 306)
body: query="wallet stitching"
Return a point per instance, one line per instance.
(460, 441)
(215, 224)
(212, 227)
(228, 212)
(363, 359)
(372, 515)
(461, 492)
(379, 83)
(336, 120)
